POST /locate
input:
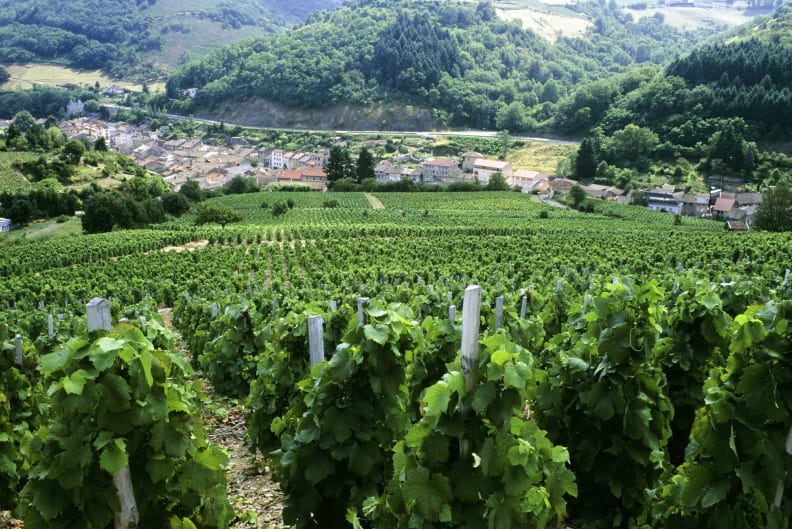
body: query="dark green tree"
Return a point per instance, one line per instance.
(585, 161)
(100, 144)
(212, 214)
(339, 164)
(497, 182)
(192, 191)
(73, 152)
(775, 211)
(364, 168)
(102, 212)
(175, 204)
(21, 211)
(577, 195)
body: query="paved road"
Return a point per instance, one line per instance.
(426, 134)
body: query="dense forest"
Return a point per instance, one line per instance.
(115, 34)
(459, 59)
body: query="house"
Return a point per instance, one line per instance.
(527, 179)
(315, 178)
(381, 171)
(723, 207)
(603, 192)
(748, 199)
(562, 185)
(5, 225)
(663, 199)
(693, 205)
(276, 159)
(483, 169)
(113, 91)
(434, 171)
(469, 160)
(411, 173)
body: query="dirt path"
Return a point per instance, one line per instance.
(374, 201)
(257, 499)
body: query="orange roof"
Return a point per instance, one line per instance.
(314, 172)
(724, 204)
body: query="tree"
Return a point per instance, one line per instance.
(5, 75)
(240, 185)
(100, 144)
(210, 213)
(102, 211)
(23, 121)
(339, 164)
(175, 204)
(497, 182)
(634, 145)
(73, 152)
(775, 211)
(21, 211)
(585, 161)
(578, 195)
(192, 191)
(365, 165)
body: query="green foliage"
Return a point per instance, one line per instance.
(775, 211)
(736, 471)
(118, 401)
(604, 400)
(486, 465)
(229, 360)
(208, 213)
(337, 438)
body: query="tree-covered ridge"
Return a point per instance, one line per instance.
(458, 58)
(115, 35)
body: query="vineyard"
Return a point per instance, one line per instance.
(11, 180)
(453, 360)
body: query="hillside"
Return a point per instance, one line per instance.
(140, 37)
(463, 61)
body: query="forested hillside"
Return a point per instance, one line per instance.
(459, 59)
(122, 36)
(708, 110)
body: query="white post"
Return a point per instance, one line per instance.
(274, 308)
(143, 323)
(779, 496)
(98, 312)
(361, 316)
(334, 305)
(523, 307)
(18, 342)
(471, 314)
(452, 313)
(315, 339)
(498, 312)
(450, 296)
(431, 289)
(51, 326)
(127, 517)
(214, 310)
(786, 278)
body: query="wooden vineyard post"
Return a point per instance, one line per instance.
(471, 314)
(98, 311)
(316, 339)
(361, 315)
(498, 312)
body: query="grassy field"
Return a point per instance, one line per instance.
(25, 76)
(42, 231)
(540, 156)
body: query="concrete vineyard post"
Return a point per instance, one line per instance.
(98, 311)
(18, 344)
(316, 339)
(498, 312)
(214, 310)
(452, 313)
(471, 313)
(50, 326)
(361, 315)
(523, 307)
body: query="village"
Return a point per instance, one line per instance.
(214, 166)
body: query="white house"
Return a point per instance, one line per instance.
(5, 225)
(483, 169)
(436, 170)
(276, 159)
